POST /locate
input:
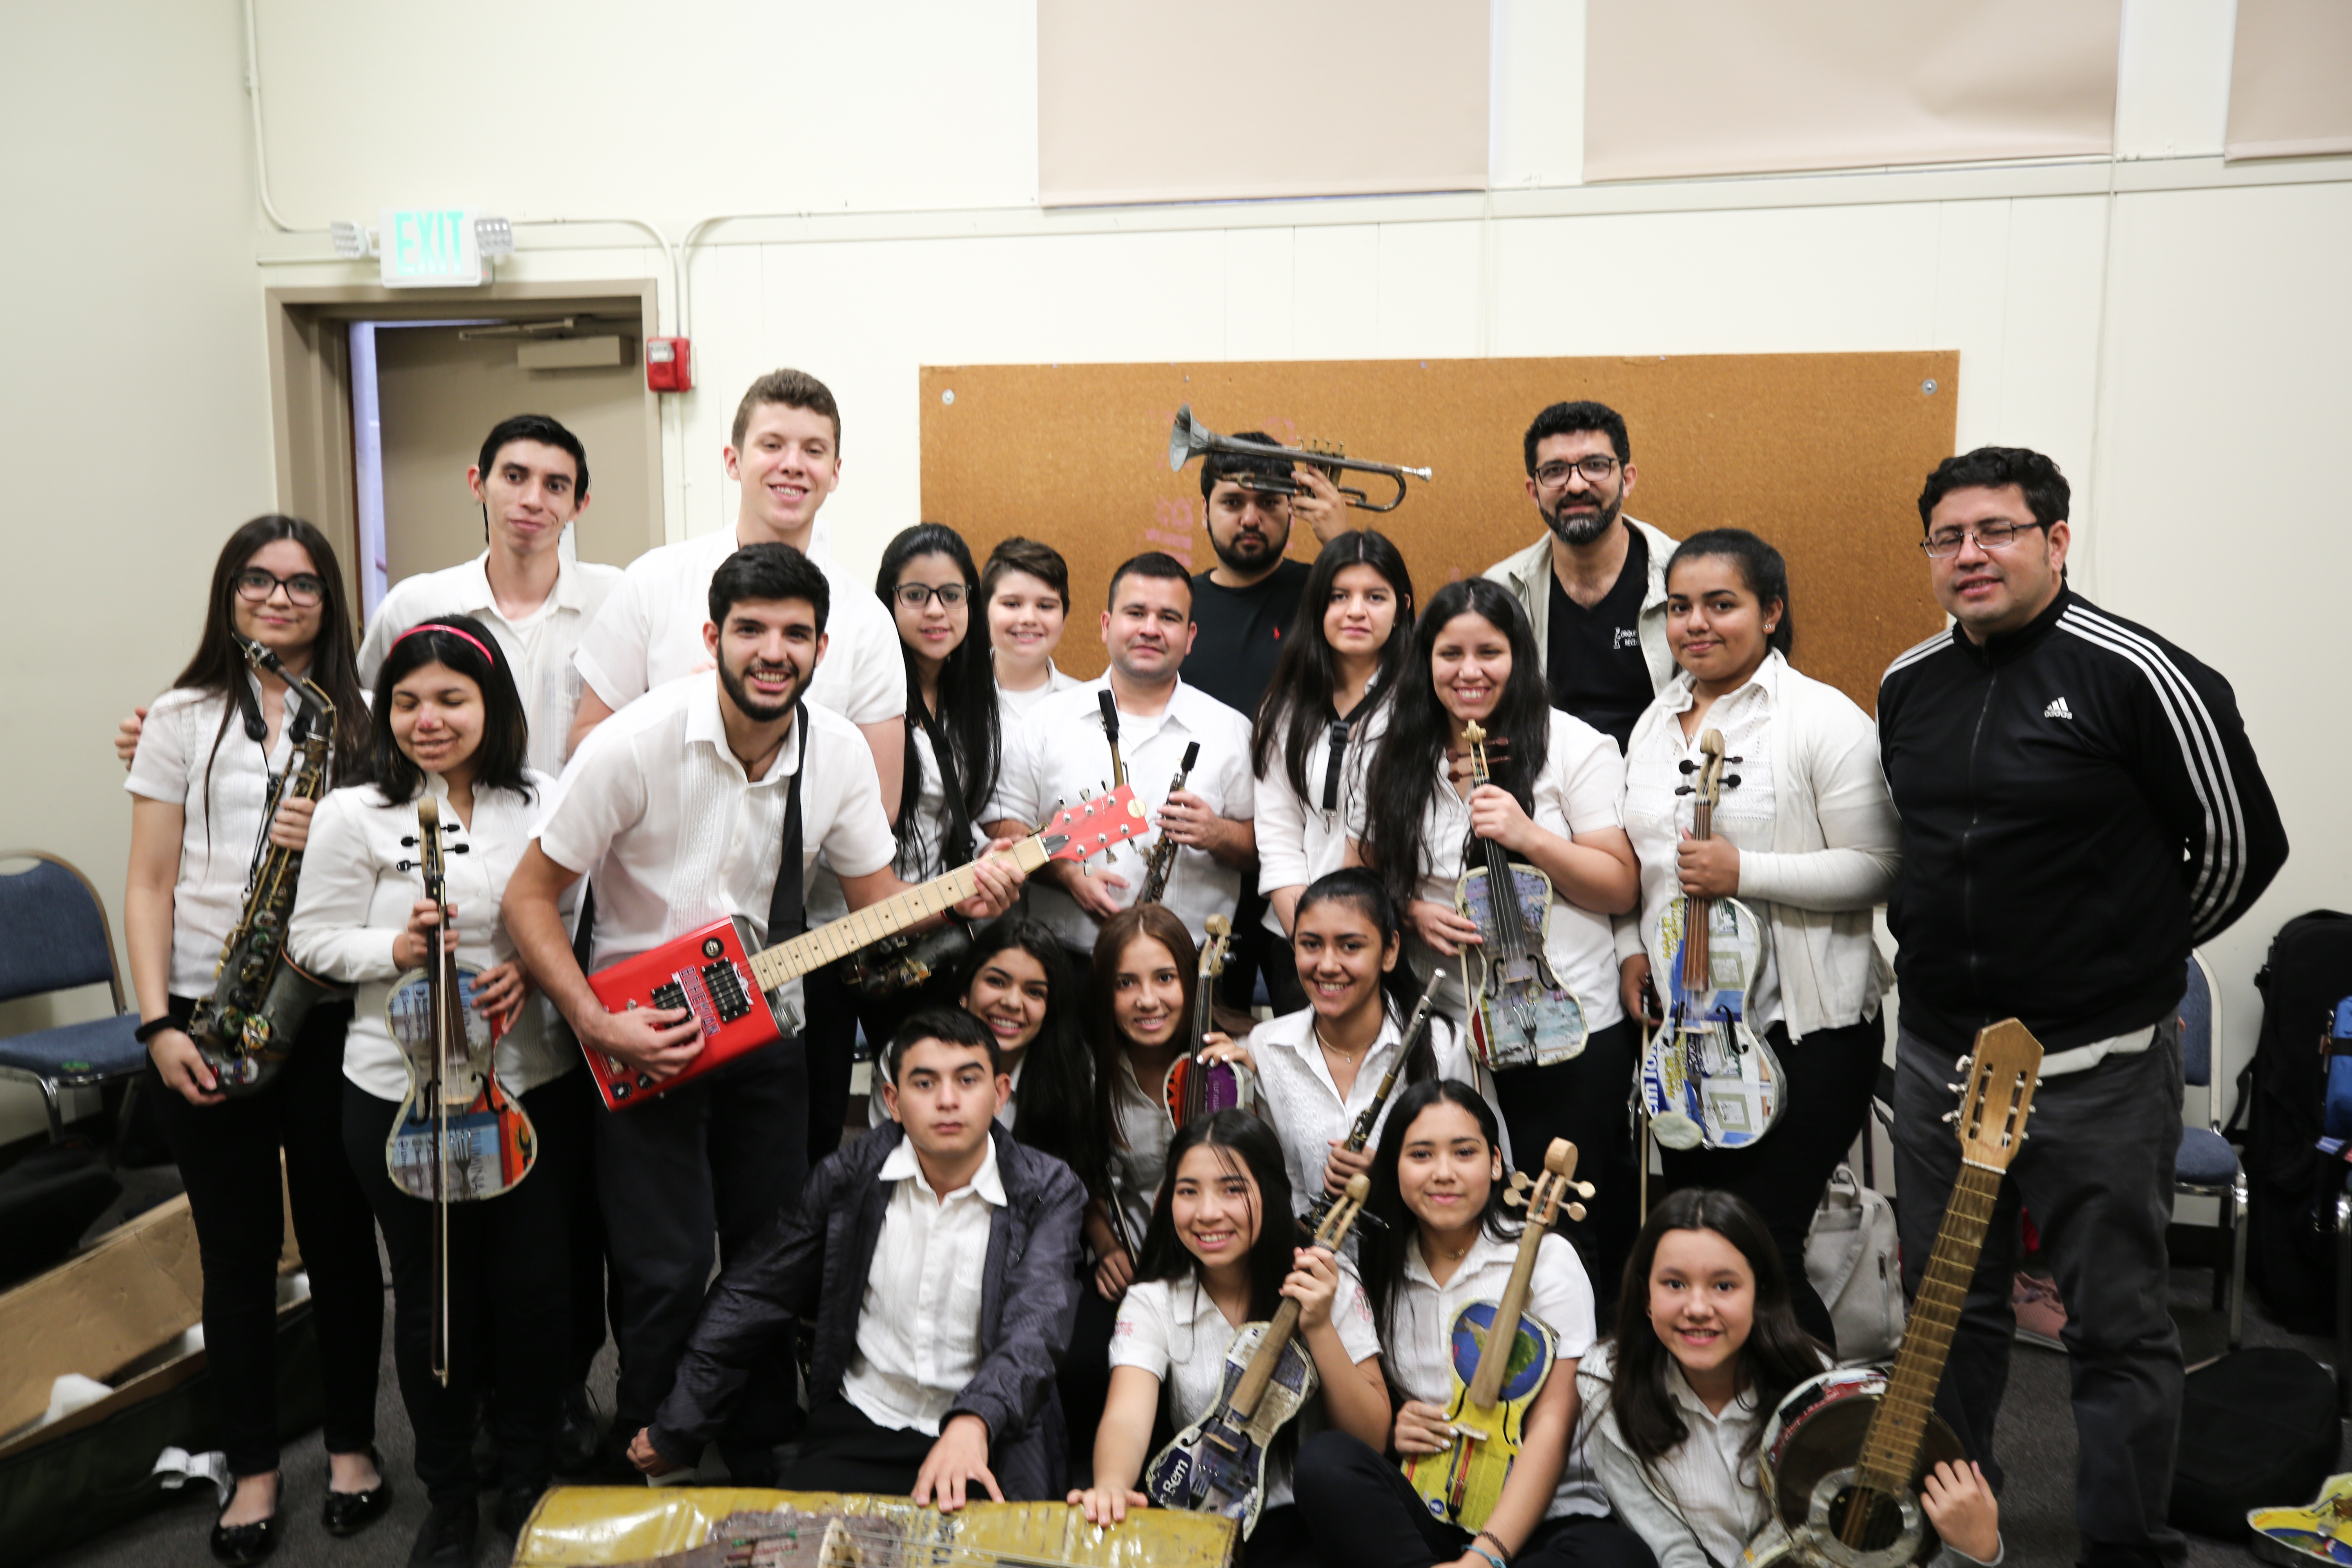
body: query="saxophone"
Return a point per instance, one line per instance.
(247, 1026)
(1160, 859)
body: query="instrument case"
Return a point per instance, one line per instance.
(2258, 1429)
(121, 1312)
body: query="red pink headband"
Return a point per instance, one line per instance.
(453, 631)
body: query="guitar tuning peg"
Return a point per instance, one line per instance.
(1573, 1211)
(1515, 1198)
(1953, 1087)
(1948, 1117)
(1960, 1064)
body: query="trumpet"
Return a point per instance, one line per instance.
(1190, 438)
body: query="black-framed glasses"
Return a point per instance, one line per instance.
(303, 590)
(1595, 467)
(915, 596)
(1988, 536)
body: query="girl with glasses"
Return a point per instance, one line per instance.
(211, 753)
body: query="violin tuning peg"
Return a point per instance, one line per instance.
(1731, 781)
(1520, 1182)
(1574, 1211)
(1685, 789)
(409, 842)
(1581, 1189)
(1735, 759)
(1515, 1199)
(1686, 765)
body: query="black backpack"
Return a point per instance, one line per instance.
(2292, 1187)
(2258, 1429)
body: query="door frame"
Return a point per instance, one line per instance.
(310, 383)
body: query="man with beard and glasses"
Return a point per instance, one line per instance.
(687, 806)
(1595, 591)
(1245, 603)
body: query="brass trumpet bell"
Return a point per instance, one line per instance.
(1189, 438)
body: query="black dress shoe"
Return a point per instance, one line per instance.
(239, 1544)
(348, 1513)
(447, 1537)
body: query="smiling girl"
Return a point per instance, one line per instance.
(214, 750)
(449, 723)
(1552, 804)
(1329, 691)
(1805, 835)
(1444, 1243)
(1706, 1347)
(1218, 1254)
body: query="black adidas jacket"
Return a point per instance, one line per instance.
(2080, 806)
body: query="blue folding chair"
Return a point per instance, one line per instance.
(54, 936)
(2207, 1166)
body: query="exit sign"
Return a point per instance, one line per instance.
(429, 247)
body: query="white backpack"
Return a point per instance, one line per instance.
(1851, 1258)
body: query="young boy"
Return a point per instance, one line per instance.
(937, 1258)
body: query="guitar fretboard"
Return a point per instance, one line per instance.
(1898, 1427)
(839, 939)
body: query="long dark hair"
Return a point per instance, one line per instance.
(1291, 715)
(1400, 987)
(219, 668)
(1242, 1139)
(1761, 568)
(505, 745)
(1056, 1112)
(1382, 1250)
(1779, 1353)
(1151, 921)
(966, 720)
(1409, 768)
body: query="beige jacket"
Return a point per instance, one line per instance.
(1528, 575)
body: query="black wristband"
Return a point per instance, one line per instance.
(154, 1027)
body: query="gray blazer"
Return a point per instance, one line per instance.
(812, 1264)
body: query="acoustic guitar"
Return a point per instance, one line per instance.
(1842, 1458)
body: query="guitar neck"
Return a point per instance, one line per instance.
(1487, 1382)
(839, 939)
(1898, 1427)
(1260, 1372)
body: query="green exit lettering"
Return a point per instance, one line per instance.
(429, 246)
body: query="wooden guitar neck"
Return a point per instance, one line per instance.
(1898, 1427)
(839, 939)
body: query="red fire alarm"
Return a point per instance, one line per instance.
(669, 365)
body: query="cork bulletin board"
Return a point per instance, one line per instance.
(1821, 454)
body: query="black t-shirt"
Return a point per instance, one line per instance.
(1241, 634)
(1593, 661)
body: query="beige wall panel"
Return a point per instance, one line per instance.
(2291, 79)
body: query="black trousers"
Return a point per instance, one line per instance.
(723, 1154)
(509, 1296)
(842, 1450)
(229, 1156)
(1586, 1101)
(1826, 1084)
(1083, 1381)
(1365, 1514)
(594, 1297)
(1282, 1541)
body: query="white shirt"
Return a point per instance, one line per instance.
(225, 816)
(538, 648)
(918, 1326)
(1656, 817)
(1418, 1355)
(1303, 1100)
(1012, 707)
(658, 812)
(1299, 839)
(1173, 1330)
(925, 857)
(1141, 1130)
(1060, 750)
(1577, 792)
(359, 883)
(1718, 1496)
(650, 631)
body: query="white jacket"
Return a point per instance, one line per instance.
(1836, 846)
(1528, 575)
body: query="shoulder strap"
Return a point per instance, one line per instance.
(787, 915)
(956, 850)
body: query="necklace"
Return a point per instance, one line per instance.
(1349, 1057)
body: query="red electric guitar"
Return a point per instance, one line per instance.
(713, 972)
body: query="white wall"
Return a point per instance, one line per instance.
(134, 423)
(2171, 331)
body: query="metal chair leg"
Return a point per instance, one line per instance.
(2235, 1206)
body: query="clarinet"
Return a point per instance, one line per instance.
(1362, 1133)
(245, 1029)
(1160, 859)
(1110, 706)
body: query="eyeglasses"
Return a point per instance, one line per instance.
(303, 591)
(1988, 536)
(1595, 468)
(915, 596)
